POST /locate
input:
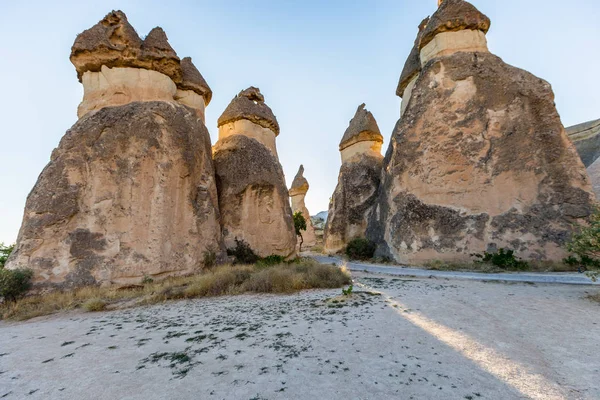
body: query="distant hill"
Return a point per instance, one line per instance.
(319, 219)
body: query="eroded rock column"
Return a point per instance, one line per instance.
(298, 192)
(130, 191)
(253, 197)
(356, 193)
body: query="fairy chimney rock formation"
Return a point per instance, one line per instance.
(356, 192)
(117, 67)
(130, 191)
(411, 70)
(298, 192)
(480, 159)
(253, 196)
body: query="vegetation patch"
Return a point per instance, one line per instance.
(585, 246)
(360, 249)
(223, 280)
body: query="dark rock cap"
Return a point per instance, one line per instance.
(250, 104)
(193, 80)
(112, 42)
(300, 184)
(452, 16)
(363, 127)
(412, 67)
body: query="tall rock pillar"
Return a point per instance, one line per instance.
(355, 196)
(298, 192)
(130, 190)
(253, 197)
(479, 159)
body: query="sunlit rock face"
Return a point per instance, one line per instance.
(130, 191)
(356, 192)
(253, 198)
(479, 159)
(298, 192)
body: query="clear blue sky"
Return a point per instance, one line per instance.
(315, 62)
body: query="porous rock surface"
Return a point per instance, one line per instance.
(129, 192)
(355, 195)
(253, 198)
(298, 192)
(250, 105)
(479, 160)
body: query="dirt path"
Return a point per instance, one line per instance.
(399, 338)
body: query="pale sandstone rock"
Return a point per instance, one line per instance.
(130, 191)
(479, 160)
(586, 138)
(298, 192)
(119, 86)
(253, 198)
(248, 128)
(447, 43)
(356, 193)
(194, 100)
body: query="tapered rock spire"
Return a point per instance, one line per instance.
(356, 192)
(298, 192)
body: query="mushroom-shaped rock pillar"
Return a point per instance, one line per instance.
(480, 159)
(298, 192)
(130, 191)
(358, 182)
(253, 197)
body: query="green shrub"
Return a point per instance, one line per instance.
(94, 305)
(4, 253)
(243, 253)
(585, 245)
(209, 258)
(360, 249)
(147, 279)
(14, 283)
(270, 261)
(504, 259)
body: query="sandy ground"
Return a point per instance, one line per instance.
(393, 338)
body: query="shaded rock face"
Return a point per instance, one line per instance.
(298, 192)
(129, 192)
(480, 159)
(586, 138)
(253, 198)
(352, 203)
(594, 173)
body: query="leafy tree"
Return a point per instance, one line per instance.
(585, 244)
(4, 253)
(299, 225)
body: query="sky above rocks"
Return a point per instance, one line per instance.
(314, 61)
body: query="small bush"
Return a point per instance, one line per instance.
(270, 261)
(585, 244)
(360, 249)
(147, 279)
(503, 259)
(209, 258)
(94, 305)
(243, 253)
(14, 283)
(4, 253)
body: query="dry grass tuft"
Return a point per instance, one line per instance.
(533, 266)
(225, 280)
(594, 297)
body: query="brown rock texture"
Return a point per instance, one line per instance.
(412, 67)
(594, 173)
(479, 160)
(113, 42)
(452, 16)
(129, 192)
(253, 197)
(355, 195)
(193, 80)
(298, 192)
(250, 105)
